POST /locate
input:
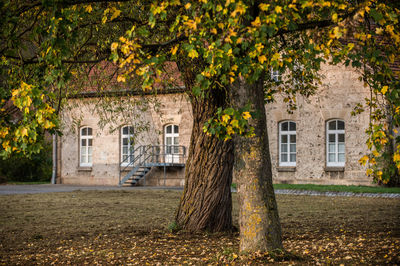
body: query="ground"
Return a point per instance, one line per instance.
(134, 227)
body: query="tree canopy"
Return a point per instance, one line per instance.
(244, 39)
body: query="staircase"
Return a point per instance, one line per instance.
(142, 159)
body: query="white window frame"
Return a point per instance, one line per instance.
(171, 155)
(288, 133)
(128, 136)
(85, 151)
(336, 133)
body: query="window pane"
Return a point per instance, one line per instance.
(83, 158)
(90, 159)
(89, 131)
(332, 148)
(90, 149)
(125, 130)
(90, 142)
(84, 131)
(341, 137)
(124, 150)
(284, 148)
(332, 138)
(292, 138)
(83, 142)
(292, 147)
(284, 157)
(292, 126)
(125, 141)
(332, 125)
(331, 157)
(340, 125)
(169, 129)
(341, 157)
(293, 157)
(176, 129)
(341, 147)
(284, 138)
(285, 126)
(169, 141)
(124, 158)
(176, 141)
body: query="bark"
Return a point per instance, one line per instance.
(206, 203)
(260, 228)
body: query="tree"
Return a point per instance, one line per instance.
(66, 39)
(229, 46)
(237, 43)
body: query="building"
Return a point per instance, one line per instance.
(319, 143)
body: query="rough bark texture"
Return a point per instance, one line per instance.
(206, 203)
(260, 228)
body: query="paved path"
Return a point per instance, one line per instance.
(47, 188)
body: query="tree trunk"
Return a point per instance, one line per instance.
(260, 228)
(206, 203)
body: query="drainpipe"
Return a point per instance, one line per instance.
(54, 171)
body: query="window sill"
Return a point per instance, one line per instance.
(84, 169)
(286, 169)
(334, 169)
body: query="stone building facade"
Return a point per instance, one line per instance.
(319, 143)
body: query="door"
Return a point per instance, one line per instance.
(171, 144)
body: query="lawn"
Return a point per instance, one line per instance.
(131, 227)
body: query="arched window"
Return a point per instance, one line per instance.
(171, 143)
(287, 143)
(335, 143)
(86, 146)
(126, 145)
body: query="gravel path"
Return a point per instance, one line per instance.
(47, 188)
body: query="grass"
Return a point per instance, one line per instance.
(338, 188)
(134, 227)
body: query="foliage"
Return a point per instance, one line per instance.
(43, 46)
(246, 39)
(22, 169)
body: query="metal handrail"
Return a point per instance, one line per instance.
(155, 155)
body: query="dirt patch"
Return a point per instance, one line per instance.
(132, 228)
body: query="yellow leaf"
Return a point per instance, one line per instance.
(363, 160)
(379, 31)
(174, 49)
(121, 78)
(213, 31)
(262, 59)
(193, 54)
(88, 8)
(246, 115)
(115, 14)
(188, 5)
(114, 46)
(225, 118)
(278, 9)
(384, 90)
(23, 132)
(264, 7)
